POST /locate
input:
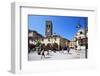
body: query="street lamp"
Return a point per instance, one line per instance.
(85, 37)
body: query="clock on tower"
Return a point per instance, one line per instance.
(49, 27)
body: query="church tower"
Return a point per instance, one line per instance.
(48, 28)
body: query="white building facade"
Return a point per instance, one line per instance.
(82, 39)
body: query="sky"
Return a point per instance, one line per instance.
(65, 26)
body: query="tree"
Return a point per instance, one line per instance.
(38, 44)
(48, 46)
(38, 47)
(42, 46)
(55, 46)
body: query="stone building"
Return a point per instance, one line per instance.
(72, 43)
(82, 39)
(56, 39)
(34, 36)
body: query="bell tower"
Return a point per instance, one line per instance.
(48, 28)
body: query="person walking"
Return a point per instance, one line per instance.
(68, 49)
(42, 54)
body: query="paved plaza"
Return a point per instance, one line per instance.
(73, 54)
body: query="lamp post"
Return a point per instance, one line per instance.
(85, 37)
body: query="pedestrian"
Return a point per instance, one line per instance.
(68, 49)
(42, 54)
